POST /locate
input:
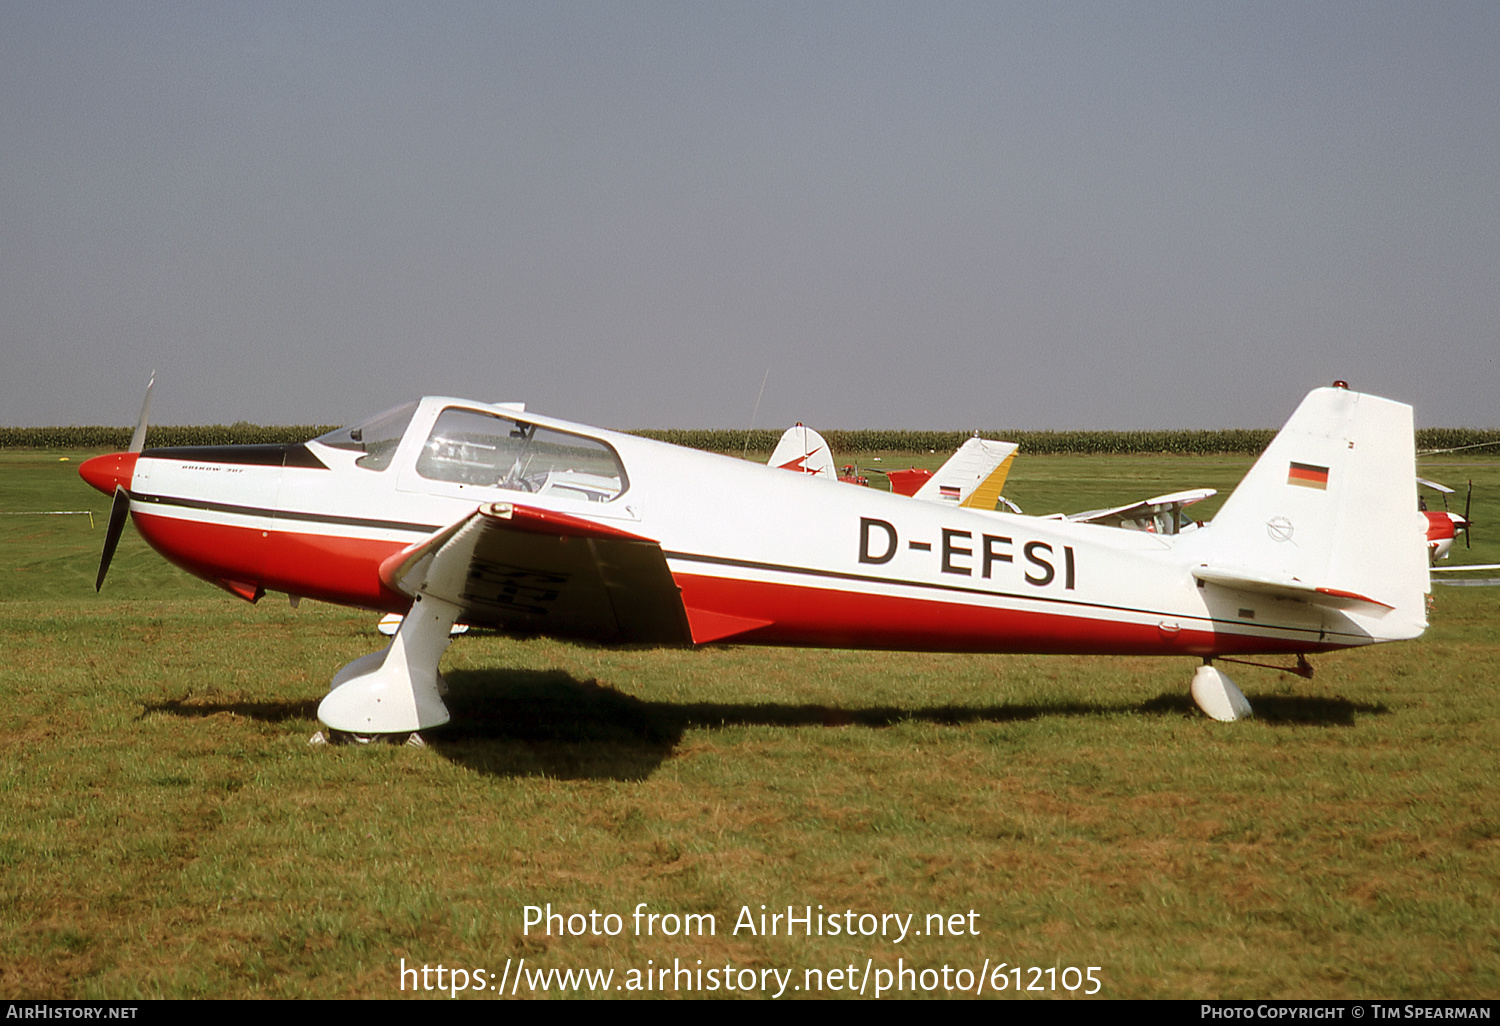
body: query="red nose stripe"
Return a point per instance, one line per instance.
(104, 472)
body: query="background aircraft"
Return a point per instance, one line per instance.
(450, 510)
(804, 451)
(1162, 514)
(1444, 527)
(972, 477)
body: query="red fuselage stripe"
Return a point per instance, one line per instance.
(812, 616)
(345, 570)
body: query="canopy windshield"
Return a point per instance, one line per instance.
(376, 437)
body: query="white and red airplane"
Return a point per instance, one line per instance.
(450, 510)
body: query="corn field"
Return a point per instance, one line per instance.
(116, 438)
(1241, 442)
(762, 441)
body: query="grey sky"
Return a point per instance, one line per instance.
(914, 215)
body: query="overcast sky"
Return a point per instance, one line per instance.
(919, 215)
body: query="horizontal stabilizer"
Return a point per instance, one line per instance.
(1285, 586)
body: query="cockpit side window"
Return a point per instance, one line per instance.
(473, 448)
(377, 437)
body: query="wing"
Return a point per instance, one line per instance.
(1109, 517)
(535, 571)
(1144, 509)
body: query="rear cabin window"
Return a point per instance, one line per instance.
(481, 449)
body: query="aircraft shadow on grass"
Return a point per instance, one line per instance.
(550, 723)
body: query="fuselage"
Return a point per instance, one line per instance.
(759, 554)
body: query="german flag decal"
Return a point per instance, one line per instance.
(1305, 475)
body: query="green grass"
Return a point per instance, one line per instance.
(168, 832)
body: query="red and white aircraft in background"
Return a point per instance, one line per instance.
(453, 510)
(1443, 527)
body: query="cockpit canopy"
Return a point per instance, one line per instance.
(478, 448)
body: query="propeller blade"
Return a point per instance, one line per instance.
(138, 440)
(1468, 524)
(119, 510)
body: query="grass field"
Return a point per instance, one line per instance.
(168, 832)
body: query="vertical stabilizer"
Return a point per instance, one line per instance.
(973, 476)
(802, 449)
(1328, 515)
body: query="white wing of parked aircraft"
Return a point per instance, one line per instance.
(1159, 515)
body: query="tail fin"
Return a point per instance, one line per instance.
(1328, 515)
(973, 475)
(802, 449)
